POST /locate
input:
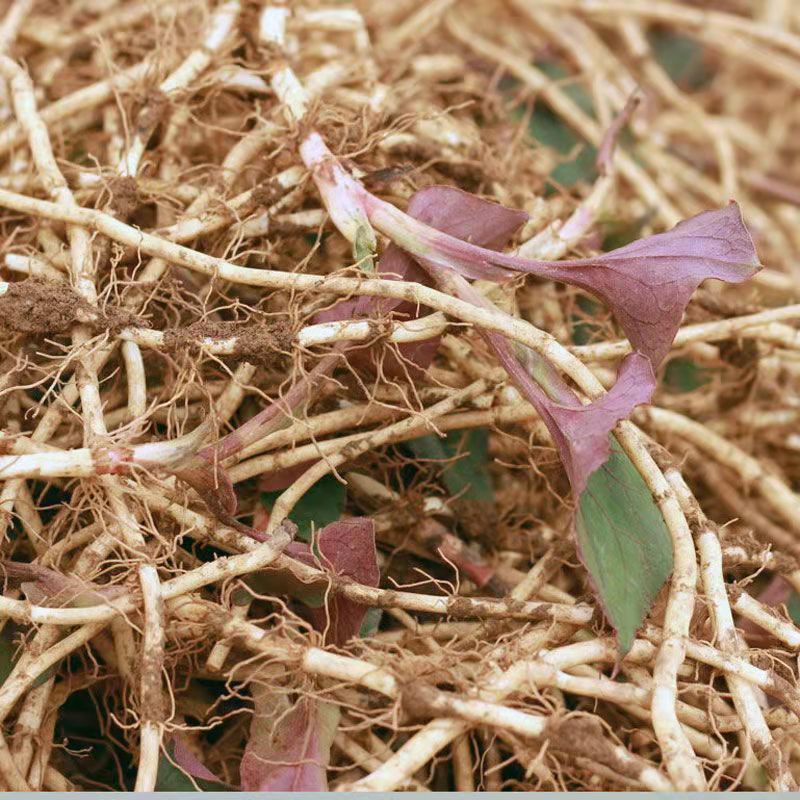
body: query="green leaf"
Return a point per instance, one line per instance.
(322, 504)
(171, 778)
(793, 607)
(7, 654)
(466, 475)
(624, 543)
(547, 128)
(372, 620)
(683, 375)
(8, 658)
(364, 248)
(682, 57)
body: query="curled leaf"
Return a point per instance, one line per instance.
(581, 431)
(646, 285)
(214, 486)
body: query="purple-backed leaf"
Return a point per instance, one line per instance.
(580, 432)
(618, 525)
(282, 478)
(454, 212)
(465, 216)
(189, 762)
(204, 472)
(289, 746)
(346, 550)
(647, 284)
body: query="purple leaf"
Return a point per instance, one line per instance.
(48, 587)
(455, 213)
(581, 431)
(289, 747)
(282, 478)
(189, 762)
(465, 216)
(647, 284)
(346, 550)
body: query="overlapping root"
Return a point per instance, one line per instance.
(146, 630)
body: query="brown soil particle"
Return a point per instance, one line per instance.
(39, 307)
(477, 519)
(125, 198)
(256, 342)
(35, 306)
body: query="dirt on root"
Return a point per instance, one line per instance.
(259, 343)
(38, 307)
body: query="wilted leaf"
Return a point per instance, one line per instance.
(215, 488)
(44, 586)
(289, 747)
(321, 504)
(624, 543)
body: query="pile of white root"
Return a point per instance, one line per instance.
(183, 404)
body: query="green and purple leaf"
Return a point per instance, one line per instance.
(464, 217)
(647, 285)
(179, 766)
(322, 504)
